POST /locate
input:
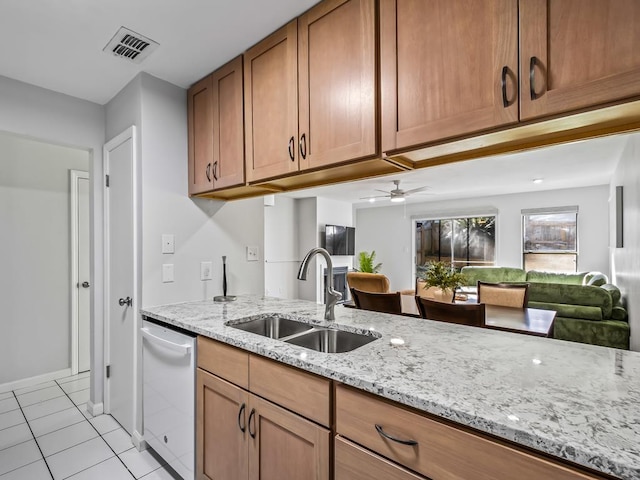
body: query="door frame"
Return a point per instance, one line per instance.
(129, 134)
(74, 176)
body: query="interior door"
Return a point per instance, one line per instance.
(84, 360)
(121, 302)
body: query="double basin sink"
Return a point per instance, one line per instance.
(295, 332)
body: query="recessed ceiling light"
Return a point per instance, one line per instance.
(538, 180)
(372, 200)
(397, 199)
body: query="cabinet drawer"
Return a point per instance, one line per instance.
(227, 362)
(304, 393)
(441, 451)
(355, 463)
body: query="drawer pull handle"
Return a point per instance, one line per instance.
(395, 439)
(532, 77)
(242, 426)
(252, 415)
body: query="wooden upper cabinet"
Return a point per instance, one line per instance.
(448, 68)
(271, 105)
(579, 53)
(228, 125)
(216, 130)
(337, 83)
(200, 130)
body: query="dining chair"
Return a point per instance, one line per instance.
(513, 295)
(472, 314)
(378, 302)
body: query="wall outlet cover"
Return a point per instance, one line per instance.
(206, 271)
(168, 243)
(252, 254)
(167, 272)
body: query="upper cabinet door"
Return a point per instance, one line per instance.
(337, 83)
(448, 68)
(271, 105)
(200, 128)
(577, 54)
(228, 126)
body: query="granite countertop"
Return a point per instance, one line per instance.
(574, 401)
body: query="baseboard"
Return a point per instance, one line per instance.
(138, 441)
(95, 408)
(28, 382)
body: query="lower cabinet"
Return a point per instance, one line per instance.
(240, 435)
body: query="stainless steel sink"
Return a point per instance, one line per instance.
(273, 326)
(331, 341)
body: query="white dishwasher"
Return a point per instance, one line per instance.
(168, 364)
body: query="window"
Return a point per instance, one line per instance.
(550, 239)
(457, 241)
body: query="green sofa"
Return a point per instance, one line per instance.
(588, 308)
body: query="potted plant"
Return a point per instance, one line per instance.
(441, 280)
(366, 264)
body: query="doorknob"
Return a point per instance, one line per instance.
(85, 285)
(125, 301)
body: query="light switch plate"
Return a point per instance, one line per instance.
(252, 254)
(168, 243)
(205, 271)
(167, 272)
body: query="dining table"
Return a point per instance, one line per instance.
(529, 321)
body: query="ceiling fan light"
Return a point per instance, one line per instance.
(397, 199)
(372, 200)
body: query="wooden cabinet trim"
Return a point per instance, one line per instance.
(223, 360)
(200, 135)
(276, 382)
(443, 451)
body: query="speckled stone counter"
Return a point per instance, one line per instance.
(574, 401)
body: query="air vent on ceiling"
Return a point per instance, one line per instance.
(130, 45)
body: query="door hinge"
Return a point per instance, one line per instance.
(106, 180)
(108, 371)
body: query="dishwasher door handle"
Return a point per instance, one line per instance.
(183, 348)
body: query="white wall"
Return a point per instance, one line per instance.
(389, 230)
(63, 120)
(35, 254)
(281, 254)
(625, 261)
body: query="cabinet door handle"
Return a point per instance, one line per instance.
(252, 415)
(395, 439)
(303, 146)
(532, 77)
(292, 141)
(215, 170)
(208, 171)
(503, 80)
(242, 426)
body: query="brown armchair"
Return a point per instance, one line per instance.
(368, 282)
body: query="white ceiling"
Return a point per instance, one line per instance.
(579, 164)
(58, 44)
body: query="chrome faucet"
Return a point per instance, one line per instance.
(330, 295)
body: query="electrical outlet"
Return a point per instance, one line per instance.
(252, 254)
(168, 243)
(167, 272)
(205, 271)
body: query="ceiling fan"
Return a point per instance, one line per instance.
(397, 194)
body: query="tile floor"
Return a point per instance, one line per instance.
(47, 433)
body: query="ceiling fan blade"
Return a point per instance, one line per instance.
(415, 190)
(383, 191)
(374, 196)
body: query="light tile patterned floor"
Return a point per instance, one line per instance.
(46, 433)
